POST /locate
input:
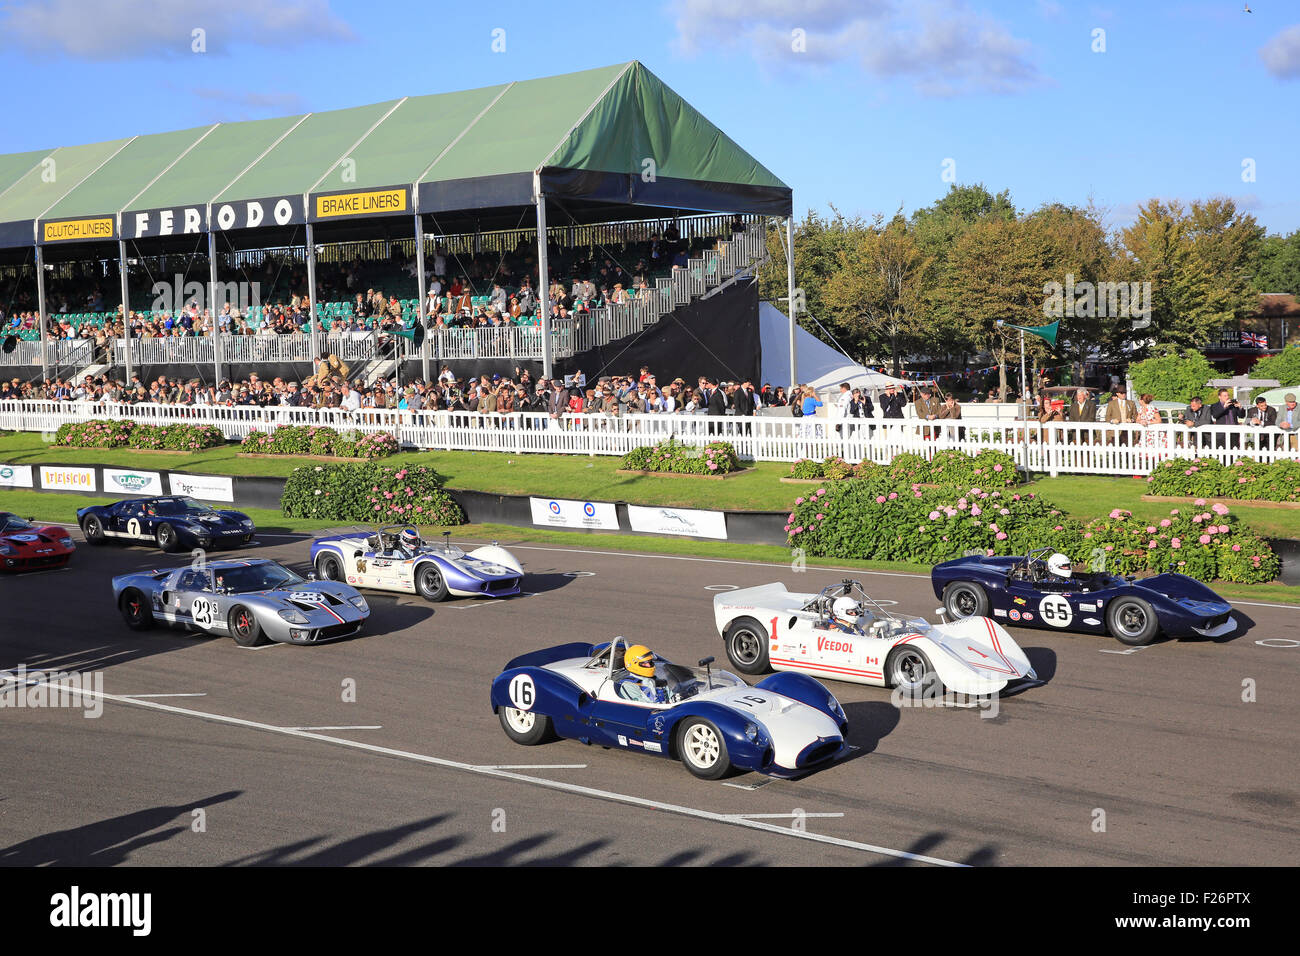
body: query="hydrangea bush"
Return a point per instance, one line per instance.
(670, 455)
(319, 440)
(101, 433)
(874, 519)
(369, 492)
(1245, 478)
(951, 467)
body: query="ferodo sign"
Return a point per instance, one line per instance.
(251, 213)
(177, 221)
(374, 202)
(78, 230)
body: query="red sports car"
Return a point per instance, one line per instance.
(26, 547)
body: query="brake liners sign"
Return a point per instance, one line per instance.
(373, 203)
(71, 230)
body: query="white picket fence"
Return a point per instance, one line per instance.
(1098, 449)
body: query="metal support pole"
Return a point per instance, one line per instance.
(789, 282)
(311, 294)
(40, 313)
(213, 307)
(423, 309)
(543, 278)
(126, 308)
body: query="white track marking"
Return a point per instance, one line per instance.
(1131, 650)
(146, 696)
(340, 727)
(532, 766)
(1285, 607)
(748, 786)
(476, 604)
(780, 816)
(573, 788)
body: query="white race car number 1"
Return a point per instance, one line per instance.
(1055, 610)
(522, 692)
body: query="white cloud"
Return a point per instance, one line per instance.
(1281, 54)
(942, 47)
(130, 29)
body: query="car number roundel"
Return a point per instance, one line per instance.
(202, 611)
(1055, 610)
(522, 692)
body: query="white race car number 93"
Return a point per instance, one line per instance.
(522, 692)
(1055, 610)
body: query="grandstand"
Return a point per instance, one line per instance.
(631, 191)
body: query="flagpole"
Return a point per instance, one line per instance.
(1024, 399)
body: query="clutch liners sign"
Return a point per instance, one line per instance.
(72, 230)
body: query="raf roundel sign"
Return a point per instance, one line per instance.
(589, 509)
(554, 507)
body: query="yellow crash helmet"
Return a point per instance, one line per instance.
(640, 660)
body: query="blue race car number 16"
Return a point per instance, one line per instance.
(1055, 610)
(522, 692)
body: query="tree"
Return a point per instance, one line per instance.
(876, 289)
(1284, 367)
(1173, 375)
(994, 272)
(1277, 264)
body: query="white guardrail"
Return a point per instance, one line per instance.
(1100, 449)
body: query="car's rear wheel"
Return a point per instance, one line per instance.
(167, 538)
(430, 583)
(329, 567)
(962, 599)
(1132, 621)
(702, 749)
(135, 610)
(93, 529)
(244, 627)
(747, 646)
(524, 726)
(908, 669)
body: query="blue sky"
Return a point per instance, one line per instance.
(864, 115)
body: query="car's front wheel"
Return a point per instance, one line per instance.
(524, 726)
(93, 529)
(244, 627)
(909, 669)
(1132, 621)
(961, 600)
(702, 749)
(329, 567)
(167, 538)
(747, 646)
(430, 583)
(135, 610)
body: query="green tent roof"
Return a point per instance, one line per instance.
(610, 137)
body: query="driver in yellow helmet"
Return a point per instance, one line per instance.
(639, 683)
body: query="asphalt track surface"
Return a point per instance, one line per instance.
(1144, 758)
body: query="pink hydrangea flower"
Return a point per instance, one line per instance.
(1204, 539)
(1219, 509)
(1236, 547)
(934, 515)
(1165, 522)
(1175, 544)
(1002, 535)
(880, 499)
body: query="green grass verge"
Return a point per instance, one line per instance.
(60, 508)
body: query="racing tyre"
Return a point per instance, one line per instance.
(961, 599)
(908, 668)
(747, 646)
(702, 749)
(525, 727)
(135, 610)
(1132, 621)
(93, 529)
(430, 583)
(167, 538)
(244, 627)
(329, 567)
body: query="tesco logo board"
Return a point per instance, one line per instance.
(67, 479)
(559, 513)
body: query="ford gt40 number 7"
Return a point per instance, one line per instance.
(842, 633)
(251, 601)
(712, 721)
(390, 559)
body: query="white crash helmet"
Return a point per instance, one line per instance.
(846, 609)
(410, 538)
(1059, 565)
